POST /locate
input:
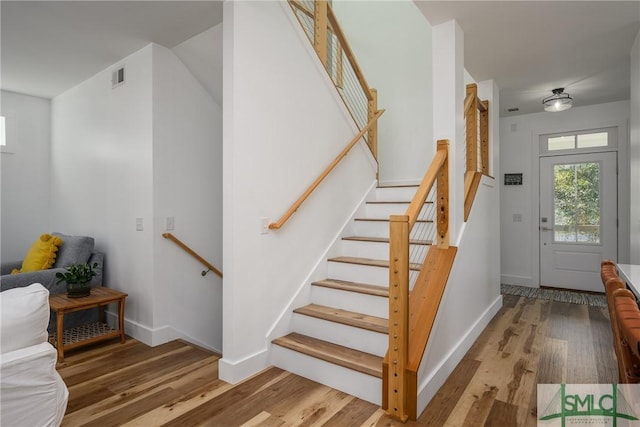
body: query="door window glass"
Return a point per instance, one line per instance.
(576, 203)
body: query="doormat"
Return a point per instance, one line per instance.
(555, 295)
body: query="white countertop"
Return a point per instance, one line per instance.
(630, 273)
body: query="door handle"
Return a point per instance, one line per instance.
(546, 228)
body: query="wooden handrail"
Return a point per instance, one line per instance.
(398, 397)
(296, 205)
(191, 252)
(425, 186)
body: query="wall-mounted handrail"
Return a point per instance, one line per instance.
(191, 252)
(395, 382)
(296, 205)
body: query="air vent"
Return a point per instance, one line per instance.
(117, 78)
(512, 109)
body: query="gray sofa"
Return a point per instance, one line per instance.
(74, 250)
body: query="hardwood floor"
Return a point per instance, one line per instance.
(528, 342)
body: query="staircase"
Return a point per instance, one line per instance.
(340, 338)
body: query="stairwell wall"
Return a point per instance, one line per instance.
(283, 124)
(187, 186)
(396, 59)
(146, 149)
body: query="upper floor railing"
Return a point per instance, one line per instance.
(476, 114)
(321, 26)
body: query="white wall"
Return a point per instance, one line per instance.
(101, 178)
(25, 173)
(472, 296)
(202, 54)
(634, 154)
(448, 119)
(282, 126)
(519, 138)
(148, 149)
(187, 185)
(396, 60)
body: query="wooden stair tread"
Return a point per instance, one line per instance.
(370, 262)
(385, 240)
(403, 202)
(345, 317)
(387, 220)
(343, 356)
(362, 288)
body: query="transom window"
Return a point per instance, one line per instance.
(589, 140)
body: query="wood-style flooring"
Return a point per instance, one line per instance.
(528, 342)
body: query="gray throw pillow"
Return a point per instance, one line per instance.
(74, 250)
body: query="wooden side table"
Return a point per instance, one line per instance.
(83, 335)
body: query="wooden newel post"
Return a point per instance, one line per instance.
(398, 315)
(320, 29)
(372, 137)
(442, 201)
(484, 137)
(472, 129)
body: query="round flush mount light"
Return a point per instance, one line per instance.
(559, 101)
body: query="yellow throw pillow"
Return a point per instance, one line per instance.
(42, 254)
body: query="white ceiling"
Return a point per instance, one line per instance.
(528, 47)
(532, 47)
(51, 46)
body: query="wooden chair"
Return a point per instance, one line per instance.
(627, 320)
(608, 270)
(610, 287)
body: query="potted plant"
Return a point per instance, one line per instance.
(78, 277)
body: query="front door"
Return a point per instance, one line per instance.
(578, 219)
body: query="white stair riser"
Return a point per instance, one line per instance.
(384, 210)
(421, 230)
(395, 194)
(360, 249)
(344, 335)
(357, 384)
(359, 273)
(371, 305)
(374, 250)
(371, 228)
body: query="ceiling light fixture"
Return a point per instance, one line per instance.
(559, 101)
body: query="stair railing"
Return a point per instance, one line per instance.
(296, 205)
(321, 26)
(476, 113)
(395, 395)
(193, 253)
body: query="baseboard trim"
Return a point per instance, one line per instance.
(432, 383)
(155, 336)
(234, 371)
(509, 279)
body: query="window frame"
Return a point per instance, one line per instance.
(612, 141)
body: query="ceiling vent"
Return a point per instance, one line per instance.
(117, 78)
(512, 109)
